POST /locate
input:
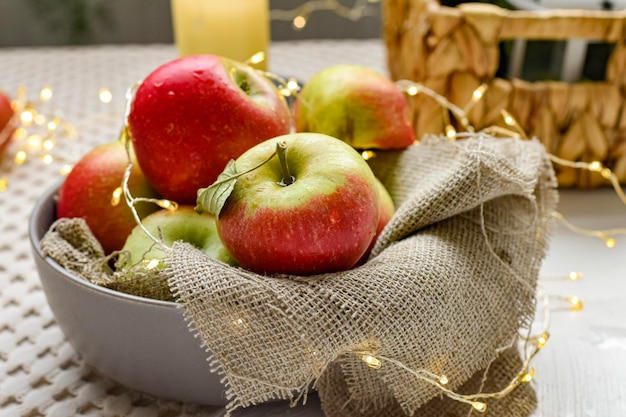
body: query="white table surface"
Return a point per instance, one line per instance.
(580, 373)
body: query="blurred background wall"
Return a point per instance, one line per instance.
(72, 22)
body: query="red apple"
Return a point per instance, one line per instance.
(87, 192)
(387, 210)
(183, 224)
(192, 115)
(8, 122)
(321, 222)
(357, 105)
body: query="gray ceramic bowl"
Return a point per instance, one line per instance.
(143, 344)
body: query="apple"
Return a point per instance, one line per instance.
(357, 105)
(192, 115)
(8, 122)
(387, 210)
(313, 209)
(169, 226)
(87, 192)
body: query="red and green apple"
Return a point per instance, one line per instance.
(88, 190)
(357, 105)
(387, 210)
(313, 209)
(192, 115)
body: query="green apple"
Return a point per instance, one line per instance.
(357, 105)
(169, 226)
(313, 209)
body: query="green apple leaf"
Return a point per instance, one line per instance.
(213, 197)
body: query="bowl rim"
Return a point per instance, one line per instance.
(51, 194)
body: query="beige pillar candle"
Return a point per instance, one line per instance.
(236, 29)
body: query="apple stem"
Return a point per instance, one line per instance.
(281, 150)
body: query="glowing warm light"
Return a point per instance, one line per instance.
(53, 124)
(574, 276)
(45, 94)
(413, 90)
(257, 58)
(27, 117)
(443, 380)
(20, 133)
(149, 264)
(527, 377)
(47, 159)
(480, 407)
(450, 132)
(116, 197)
(167, 204)
(65, 169)
(610, 242)
(105, 95)
(576, 303)
(479, 92)
(370, 360)
(47, 144)
(299, 22)
(34, 141)
(542, 340)
(595, 166)
(293, 85)
(367, 155)
(20, 157)
(39, 119)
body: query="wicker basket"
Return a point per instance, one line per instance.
(453, 50)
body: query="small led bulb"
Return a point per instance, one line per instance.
(576, 304)
(480, 407)
(299, 22)
(116, 196)
(574, 276)
(527, 377)
(542, 340)
(370, 360)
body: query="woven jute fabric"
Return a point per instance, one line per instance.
(449, 284)
(70, 242)
(448, 289)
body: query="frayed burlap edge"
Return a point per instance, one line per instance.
(270, 341)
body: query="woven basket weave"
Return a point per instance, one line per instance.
(453, 50)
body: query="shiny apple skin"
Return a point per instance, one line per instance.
(88, 189)
(189, 117)
(323, 222)
(387, 210)
(357, 105)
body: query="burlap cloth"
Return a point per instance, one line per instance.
(449, 288)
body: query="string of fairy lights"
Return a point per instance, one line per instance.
(40, 130)
(300, 15)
